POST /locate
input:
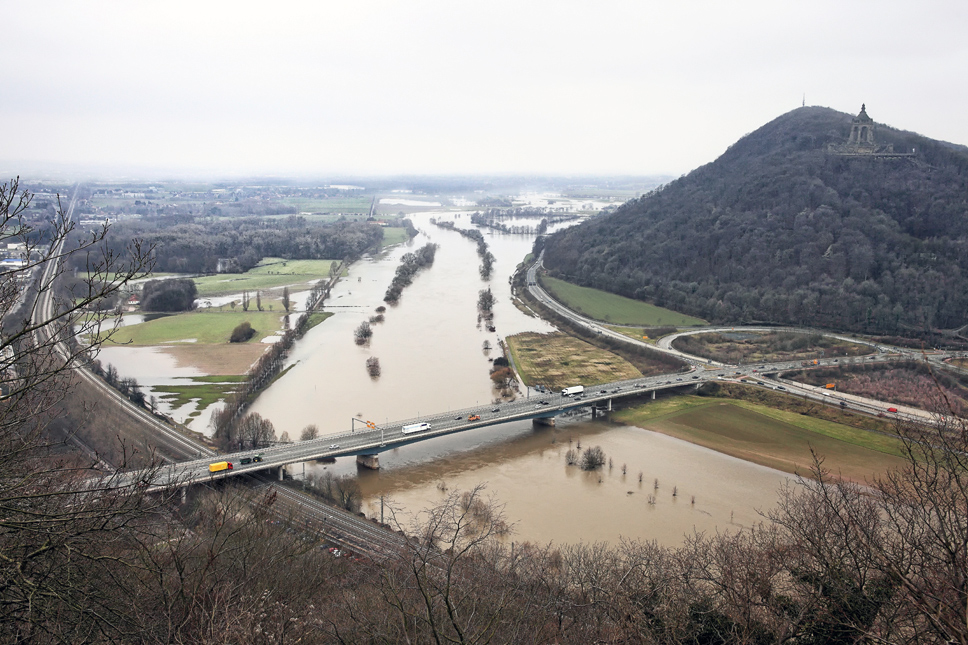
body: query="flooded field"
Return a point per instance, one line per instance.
(430, 348)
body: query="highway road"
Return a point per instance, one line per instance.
(545, 298)
(757, 372)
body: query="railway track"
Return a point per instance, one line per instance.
(337, 525)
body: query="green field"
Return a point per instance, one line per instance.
(334, 205)
(393, 235)
(611, 308)
(774, 438)
(270, 273)
(205, 327)
(633, 332)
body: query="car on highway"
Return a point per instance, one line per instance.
(474, 417)
(678, 379)
(496, 410)
(333, 446)
(458, 418)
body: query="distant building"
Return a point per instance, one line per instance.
(861, 142)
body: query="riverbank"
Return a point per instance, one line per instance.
(765, 428)
(768, 436)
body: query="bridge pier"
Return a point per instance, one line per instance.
(281, 472)
(609, 405)
(540, 421)
(368, 461)
(653, 395)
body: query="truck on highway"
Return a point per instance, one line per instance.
(574, 389)
(219, 466)
(415, 427)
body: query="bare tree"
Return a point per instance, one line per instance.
(255, 431)
(309, 432)
(63, 518)
(456, 582)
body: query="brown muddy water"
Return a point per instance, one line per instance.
(546, 500)
(430, 352)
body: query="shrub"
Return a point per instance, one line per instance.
(242, 332)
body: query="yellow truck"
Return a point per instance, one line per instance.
(219, 466)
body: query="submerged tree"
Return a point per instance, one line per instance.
(373, 366)
(592, 458)
(363, 333)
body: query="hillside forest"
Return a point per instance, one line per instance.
(779, 230)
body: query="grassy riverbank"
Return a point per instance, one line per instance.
(776, 438)
(611, 308)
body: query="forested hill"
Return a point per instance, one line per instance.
(777, 230)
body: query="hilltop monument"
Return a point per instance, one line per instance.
(861, 142)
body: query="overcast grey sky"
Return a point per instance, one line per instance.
(415, 86)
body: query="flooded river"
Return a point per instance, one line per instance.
(431, 357)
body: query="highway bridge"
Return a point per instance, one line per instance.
(367, 444)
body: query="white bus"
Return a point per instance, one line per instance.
(416, 427)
